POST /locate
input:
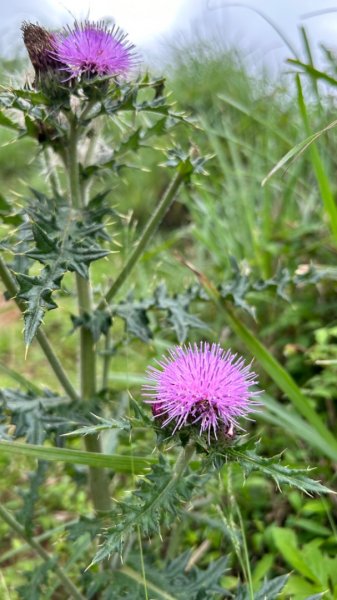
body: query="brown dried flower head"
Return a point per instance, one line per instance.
(39, 43)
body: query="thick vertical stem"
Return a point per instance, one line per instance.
(98, 479)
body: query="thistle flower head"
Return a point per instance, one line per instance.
(202, 385)
(92, 49)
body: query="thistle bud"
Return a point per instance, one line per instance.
(38, 42)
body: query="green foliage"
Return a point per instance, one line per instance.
(268, 591)
(312, 564)
(250, 461)
(159, 498)
(36, 581)
(61, 243)
(178, 581)
(28, 412)
(257, 252)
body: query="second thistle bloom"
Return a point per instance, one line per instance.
(202, 385)
(93, 49)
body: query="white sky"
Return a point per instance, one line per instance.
(142, 19)
(150, 24)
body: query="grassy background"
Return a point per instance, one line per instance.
(247, 122)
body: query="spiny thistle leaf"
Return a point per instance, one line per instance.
(31, 496)
(36, 581)
(98, 323)
(104, 425)
(178, 581)
(177, 311)
(63, 241)
(242, 283)
(271, 588)
(134, 315)
(271, 467)
(37, 292)
(27, 412)
(158, 497)
(84, 526)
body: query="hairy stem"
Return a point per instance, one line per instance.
(12, 289)
(144, 239)
(183, 460)
(98, 480)
(51, 172)
(33, 543)
(106, 360)
(73, 167)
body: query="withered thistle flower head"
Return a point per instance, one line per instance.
(93, 49)
(39, 43)
(201, 385)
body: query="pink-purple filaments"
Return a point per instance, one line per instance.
(203, 385)
(93, 49)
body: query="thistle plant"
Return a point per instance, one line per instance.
(87, 79)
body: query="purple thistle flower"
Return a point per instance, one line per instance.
(93, 49)
(203, 385)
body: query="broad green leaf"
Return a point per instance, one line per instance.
(286, 542)
(7, 122)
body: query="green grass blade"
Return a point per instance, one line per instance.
(298, 150)
(315, 74)
(118, 463)
(291, 422)
(319, 168)
(20, 379)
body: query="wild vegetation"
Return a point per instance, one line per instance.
(208, 214)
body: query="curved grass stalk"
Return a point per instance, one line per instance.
(144, 239)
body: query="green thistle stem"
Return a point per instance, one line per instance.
(98, 480)
(12, 289)
(33, 543)
(51, 172)
(183, 460)
(145, 237)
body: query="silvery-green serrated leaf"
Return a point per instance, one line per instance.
(105, 424)
(37, 293)
(177, 308)
(271, 467)
(98, 323)
(159, 497)
(271, 588)
(177, 581)
(36, 580)
(134, 314)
